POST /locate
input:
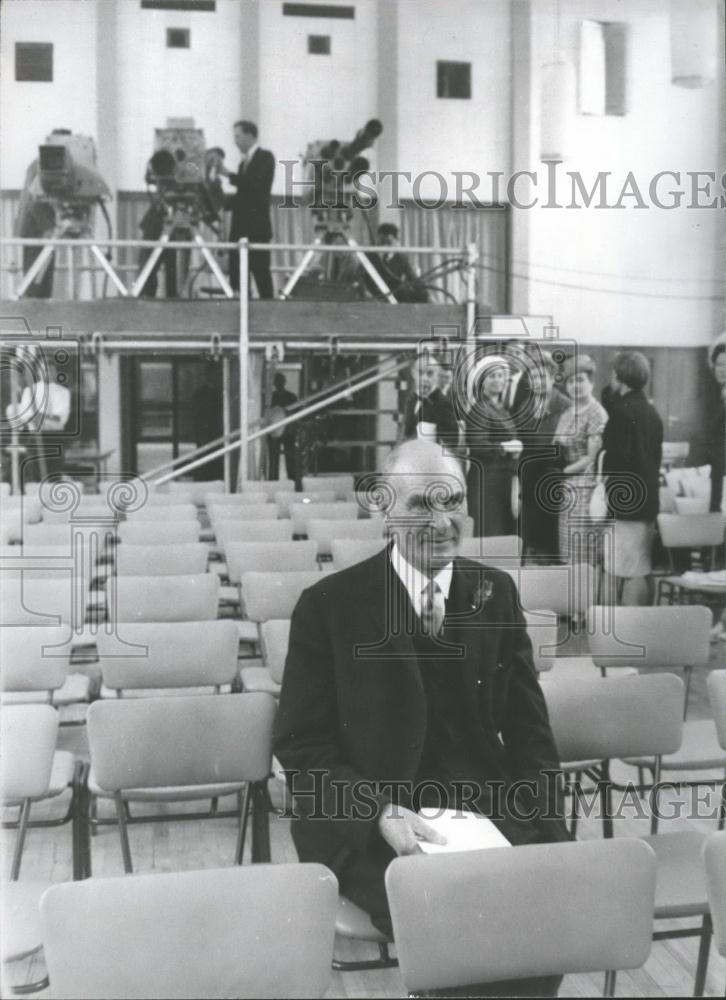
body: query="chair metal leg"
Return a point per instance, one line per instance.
(123, 832)
(260, 824)
(77, 820)
(244, 812)
(606, 800)
(20, 840)
(704, 949)
(687, 675)
(609, 989)
(575, 811)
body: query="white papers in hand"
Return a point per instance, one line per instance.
(464, 831)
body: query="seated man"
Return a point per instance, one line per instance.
(395, 270)
(409, 682)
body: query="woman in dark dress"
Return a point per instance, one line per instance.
(494, 450)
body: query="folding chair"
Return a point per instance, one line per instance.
(324, 532)
(714, 859)
(342, 486)
(196, 491)
(181, 750)
(347, 552)
(43, 598)
(162, 598)
(274, 595)
(692, 533)
(167, 513)
(514, 913)
(286, 501)
(244, 530)
(263, 931)
(716, 683)
(236, 499)
(270, 486)
(302, 513)
(188, 559)
(496, 550)
(159, 532)
(157, 658)
(271, 557)
(566, 590)
(31, 771)
(608, 718)
(36, 667)
(274, 640)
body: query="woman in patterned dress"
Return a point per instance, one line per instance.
(579, 433)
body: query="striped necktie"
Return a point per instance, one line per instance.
(433, 608)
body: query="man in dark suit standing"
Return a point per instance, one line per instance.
(409, 682)
(251, 206)
(428, 412)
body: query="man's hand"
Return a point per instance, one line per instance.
(402, 829)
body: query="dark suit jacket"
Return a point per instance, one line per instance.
(250, 203)
(353, 704)
(633, 444)
(717, 449)
(436, 408)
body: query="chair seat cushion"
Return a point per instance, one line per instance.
(22, 934)
(680, 889)
(259, 679)
(229, 595)
(352, 922)
(699, 750)
(166, 794)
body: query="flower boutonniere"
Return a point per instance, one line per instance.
(482, 594)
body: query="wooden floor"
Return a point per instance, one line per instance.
(183, 846)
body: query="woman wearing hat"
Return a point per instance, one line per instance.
(579, 434)
(494, 449)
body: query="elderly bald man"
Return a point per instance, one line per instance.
(409, 682)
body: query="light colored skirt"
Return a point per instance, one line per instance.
(629, 552)
(579, 536)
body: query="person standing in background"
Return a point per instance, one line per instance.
(280, 402)
(428, 412)
(633, 442)
(250, 206)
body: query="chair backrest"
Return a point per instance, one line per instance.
(324, 531)
(287, 501)
(270, 486)
(663, 636)
(538, 910)
(29, 734)
(91, 508)
(681, 531)
(252, 531)
(196, 491)
(159, 499)
(302, 513)
(29, 508)
(169, 654)
(161, 560)
(274, 640)
(542, 629)
(716, 681)
(714, 858)
(168, 513)
(189, 740)
(236, 499)
(55, 535)
(274, 595)
(692, 506)
(163, 598)
(41, 597)
(496, 547)
(566, 590)
(611, 717)
(242, 512)
(268, 557)
(252, 931)
(33, 658)
(159, 532)
(348, 552)
(342, 486)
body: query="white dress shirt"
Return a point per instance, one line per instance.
(415, 581)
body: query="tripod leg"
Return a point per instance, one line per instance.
(106, 265)
(215, 268)
(299, 271)
(149, 266)
(371, 271)
(36, 269)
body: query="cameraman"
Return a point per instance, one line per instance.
(395, 270)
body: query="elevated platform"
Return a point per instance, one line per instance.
(268, 320)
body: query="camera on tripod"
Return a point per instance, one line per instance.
(185, 175)
(332, 167)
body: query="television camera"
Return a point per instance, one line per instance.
(62, 188)
(331, 167)
(185, 177)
